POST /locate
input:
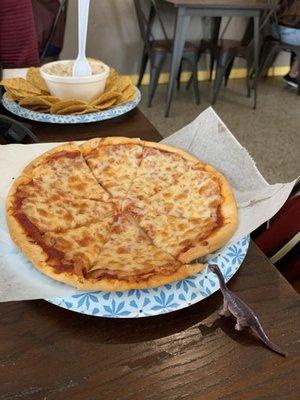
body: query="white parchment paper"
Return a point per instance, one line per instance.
(206, 137)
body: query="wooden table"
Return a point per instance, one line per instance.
(185, 9)
(48, 353)
(132, 124)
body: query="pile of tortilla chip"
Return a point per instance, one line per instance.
(32, 93)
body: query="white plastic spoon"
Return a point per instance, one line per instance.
(81, 66)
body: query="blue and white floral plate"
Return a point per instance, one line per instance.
(14, 108)
(162, 300)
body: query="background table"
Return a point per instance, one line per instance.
(49, 353)
(186, 9)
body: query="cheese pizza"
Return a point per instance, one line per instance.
(119, 213)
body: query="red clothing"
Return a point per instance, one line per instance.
(18, 38)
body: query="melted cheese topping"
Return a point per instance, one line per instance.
(80, 246)
(54, 212)
(195, 195)
(68, 172)
(158, 170)
(128, 252)
(115, 166)
(175, 235)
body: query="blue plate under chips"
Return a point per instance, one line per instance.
(16, 109)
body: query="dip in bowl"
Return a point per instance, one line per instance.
(61, 83)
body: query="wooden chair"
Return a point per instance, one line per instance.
(157, 51)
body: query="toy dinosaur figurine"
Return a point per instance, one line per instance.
(245, 317)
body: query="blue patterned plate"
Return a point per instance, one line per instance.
(162, 300)
(14, 108)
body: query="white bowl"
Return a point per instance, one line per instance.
(86, 88)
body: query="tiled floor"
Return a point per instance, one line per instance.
(271, 133)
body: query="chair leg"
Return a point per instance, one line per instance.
(269, 62)
(195, 80)
(264, 67)
(156, 60)
(198, 55)
(228, 70)
(193, 61)
(248, 83)
(143, 66)
(224, 59)
(196, 87)
(211, 65)
(268, 54)
(220, 72)
(188, 85)
(179, 75)
(249, 62)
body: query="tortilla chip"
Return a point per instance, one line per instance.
(17, 94)
(123, 83)
(128, 95)
(38, 101)
(33, 76)
(20, 85)
(106, 96)
(74, 109)
(62, 104)
(87, 111)
(111, 79)
(106, 104)
(10, 96)
(50, 99)
(38, 108)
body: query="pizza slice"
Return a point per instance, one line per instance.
(176, 235)
(77, 249)
(62, 256)
(194, 195)
(160, 168)
(52, 211)
(114, 162)
(130, 260)
(64, 169)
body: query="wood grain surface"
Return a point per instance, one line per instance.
(132, 124)
(48, 353)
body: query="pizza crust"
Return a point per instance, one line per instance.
(90, 145)
(28, 170)
(36, 254)
(33, 251)
(115, 140)
(111, 285)
(165, 147)
(21, 180)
